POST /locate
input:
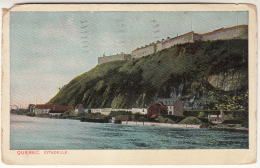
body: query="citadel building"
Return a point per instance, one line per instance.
(122, 56)
(235, 32)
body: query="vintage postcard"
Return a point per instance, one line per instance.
(129, 84)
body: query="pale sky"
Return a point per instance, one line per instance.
(49, 49)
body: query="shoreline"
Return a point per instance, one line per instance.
(223, 127)
(161, 124)
(192, 126)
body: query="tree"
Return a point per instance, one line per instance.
(69, 113)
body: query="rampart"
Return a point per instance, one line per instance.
(122, 56)
(236, 32)
(143, 51)
(197, 37)
(185, 38)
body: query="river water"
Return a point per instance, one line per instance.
(33, 133)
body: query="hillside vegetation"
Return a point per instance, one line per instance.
(139, 82)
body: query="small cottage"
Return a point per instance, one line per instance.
(216, 118)
(31, 108)
(49, 109)
(42, 109)
(79, 109)
(58, 110)
(156, 109)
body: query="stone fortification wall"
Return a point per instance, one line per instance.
(237, 32)
(188, 37)
(128, 56)
(143, 51)
(102, 60)
(197, 37)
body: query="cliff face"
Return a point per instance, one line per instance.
(201, 72)
(229, 81)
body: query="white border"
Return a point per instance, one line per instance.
(7, 5)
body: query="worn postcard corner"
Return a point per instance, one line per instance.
(129, 84)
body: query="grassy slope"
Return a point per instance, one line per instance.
(139, 82)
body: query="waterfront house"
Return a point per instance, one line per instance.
(31, 108)
(42, 109)
(216, 118)
(79, 109)
(156, 109)
(50, 109)
(173, 105)
(58, 110)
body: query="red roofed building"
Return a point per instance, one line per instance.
(44, 109)
(58, 110)
(41, 109)
(155, 110)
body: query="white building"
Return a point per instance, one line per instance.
(142, 111)
(105, 111)
(129, 110)
(42, 109)
(96, 110)
(216, 119)
(50, 109)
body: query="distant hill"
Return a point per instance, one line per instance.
(213, 70)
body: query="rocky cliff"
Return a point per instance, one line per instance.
(229, 81)
(209, 74)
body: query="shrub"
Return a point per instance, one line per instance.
(69, 113)
(232, 122)
(170, 121)
(191, 120)
(161, 119)
(116, 113)
(191, 113)
(228, 117)
(201, 115)
(175, 119)
(93, 114)
(142, 118)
